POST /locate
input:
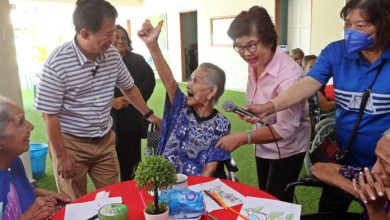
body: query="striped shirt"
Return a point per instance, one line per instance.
(82, 99)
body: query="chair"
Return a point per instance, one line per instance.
(323, 148)
(226, 169)
(323, 144)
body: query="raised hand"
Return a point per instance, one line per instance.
(148, 33)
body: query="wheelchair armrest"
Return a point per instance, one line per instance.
(307, 180)
(231, 165)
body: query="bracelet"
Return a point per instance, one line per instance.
(249, 136)
(148, 114)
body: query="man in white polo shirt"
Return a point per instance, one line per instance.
(75, 94)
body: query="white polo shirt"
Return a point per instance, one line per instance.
(68, 87)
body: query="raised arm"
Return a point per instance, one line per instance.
(149, 35)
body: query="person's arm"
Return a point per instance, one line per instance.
(60, 199)
(261, 135)
(209, 169)
(325, 105)
(65, 164)
(135, 98)
(298, 92)
(329, 173)
(43, 192)
(149, 35)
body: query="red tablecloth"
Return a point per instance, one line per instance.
(130, 196)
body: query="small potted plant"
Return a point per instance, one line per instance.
(153, 174)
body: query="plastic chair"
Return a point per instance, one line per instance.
(226, 169)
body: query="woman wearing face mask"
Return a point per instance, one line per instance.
(356, 63)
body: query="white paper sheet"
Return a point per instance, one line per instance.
(261, 209)
(228, 194)
(86, 210)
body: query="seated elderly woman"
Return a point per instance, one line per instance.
(371, 188)
(191, 125)
(18, 200)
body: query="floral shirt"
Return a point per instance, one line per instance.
(187, 140)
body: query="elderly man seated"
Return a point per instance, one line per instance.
(191, 124)
(18, 200)
(372, 188)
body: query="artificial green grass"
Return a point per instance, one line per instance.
(244, 156)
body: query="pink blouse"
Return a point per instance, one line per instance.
(293, 124)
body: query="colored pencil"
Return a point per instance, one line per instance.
(211, 197)
(212, 217)
(142, 198)
(223, 204)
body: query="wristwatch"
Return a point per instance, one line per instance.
(148, 114)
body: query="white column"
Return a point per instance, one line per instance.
(10, 83)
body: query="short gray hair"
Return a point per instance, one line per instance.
(386, 134)
(4, 114)
(216, 76)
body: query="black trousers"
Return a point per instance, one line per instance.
(128, 149)
(333, 199)
(274, 175)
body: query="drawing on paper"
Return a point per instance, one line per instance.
(268, 209)
(256, 214)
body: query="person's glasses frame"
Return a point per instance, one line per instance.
(250, 47)
(121, 39)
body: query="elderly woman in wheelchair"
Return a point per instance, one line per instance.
(191, 124)
(370, 187)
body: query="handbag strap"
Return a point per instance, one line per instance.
(363, 103)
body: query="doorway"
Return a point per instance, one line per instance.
(189, 43)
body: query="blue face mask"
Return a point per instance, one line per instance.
(356, 41)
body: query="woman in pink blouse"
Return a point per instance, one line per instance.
(282, 143)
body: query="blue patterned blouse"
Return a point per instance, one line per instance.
(187, 140)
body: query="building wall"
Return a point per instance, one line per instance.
(10, 83)
(326, 24)
(223, 56)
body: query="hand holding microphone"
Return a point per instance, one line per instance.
(229, 106)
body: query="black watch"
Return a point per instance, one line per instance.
(148, 114)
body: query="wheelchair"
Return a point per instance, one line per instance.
(323, 148)
(226, 169)
(325, 134)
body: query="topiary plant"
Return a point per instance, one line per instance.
(155, 173)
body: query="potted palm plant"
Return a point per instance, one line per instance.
(153, 174)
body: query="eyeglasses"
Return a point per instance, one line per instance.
(251, 47)
(121, 39)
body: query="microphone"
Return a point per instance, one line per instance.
(95, 70)
(229, 106)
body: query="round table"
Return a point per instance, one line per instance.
(130, 196)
